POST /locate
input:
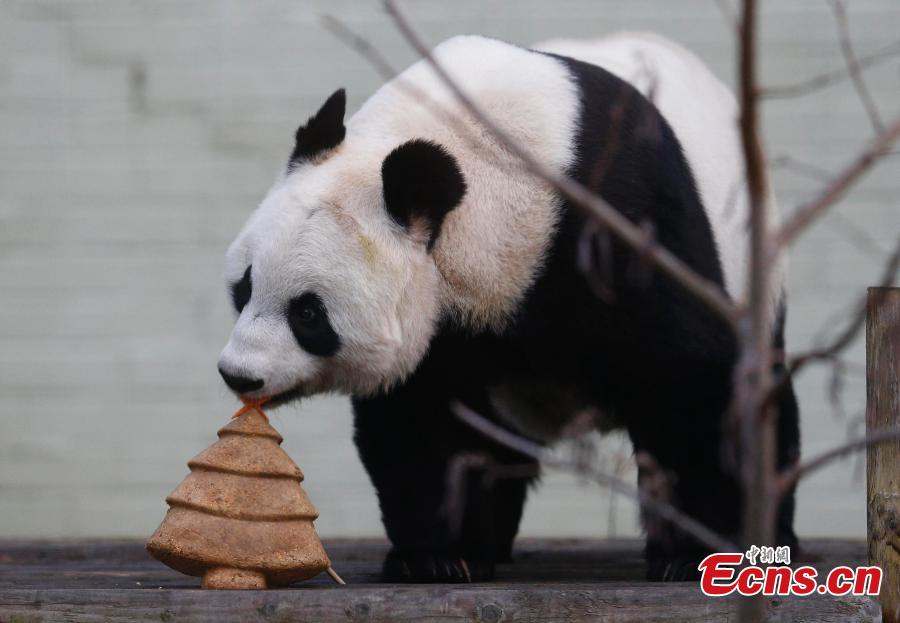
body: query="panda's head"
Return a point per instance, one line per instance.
(332, 276)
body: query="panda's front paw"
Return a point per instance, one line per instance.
(674, 569)
(429, 567)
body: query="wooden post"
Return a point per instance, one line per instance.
(883, 460)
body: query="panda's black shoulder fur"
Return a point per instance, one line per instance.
(625, 324)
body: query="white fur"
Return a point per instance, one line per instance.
(323, 227)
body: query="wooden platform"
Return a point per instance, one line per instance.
(558, 580)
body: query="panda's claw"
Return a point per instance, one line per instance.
(676, 569)
(418, 566)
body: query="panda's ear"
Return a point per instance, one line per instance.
(422, 183)
(324, 130)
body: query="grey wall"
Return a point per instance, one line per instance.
(136, 136)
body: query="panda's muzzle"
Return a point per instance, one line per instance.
(241, 384)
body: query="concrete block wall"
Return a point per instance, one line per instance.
(135, 138)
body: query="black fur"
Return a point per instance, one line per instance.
(309, 323)
(422, 182)
(788, 429)
(409, 442)
(647, 353)
(241, 291)
(323, 131)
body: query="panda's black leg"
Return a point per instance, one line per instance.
(509, 501)
(447, 514)
(687, 453)
(788, 431)
(788, 453)
(679, 458)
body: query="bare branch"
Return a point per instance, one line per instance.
(859, 83)
(821, 81)
(535, 451)
(857, 236)
(705, 290)
(846, 227)
(753, 371)
(790, 163)
(831, 351)
(809, 212)
(853, 69)
(378, 61)
(460, 467)
(857, 322)
(789, 478)
(359, 44)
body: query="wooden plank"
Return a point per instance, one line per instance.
(552, 580)
(883, 460)
(613, 604)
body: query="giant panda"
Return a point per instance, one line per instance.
(407, 259)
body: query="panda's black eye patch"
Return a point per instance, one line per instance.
(241, 291)
(309, 323)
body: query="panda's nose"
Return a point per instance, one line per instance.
(240, 384)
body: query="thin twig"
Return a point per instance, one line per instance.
(703, 289)
(853, 68)
(535, 451)
(857, 237)
(821, 81)
(806, 169)
(378, 61)
(857, 322)
(847, 228)
(458, 470)
(831, 352)
(788, 478)
(359, 44)
(801, 219)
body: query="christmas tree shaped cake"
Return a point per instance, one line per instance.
(241, 519)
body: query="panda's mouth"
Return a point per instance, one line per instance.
(291, 395)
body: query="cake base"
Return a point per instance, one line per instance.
(229, 578)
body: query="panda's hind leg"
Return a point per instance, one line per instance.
(679, 462)
(685, 466)
(447, 506)
(787, 430)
